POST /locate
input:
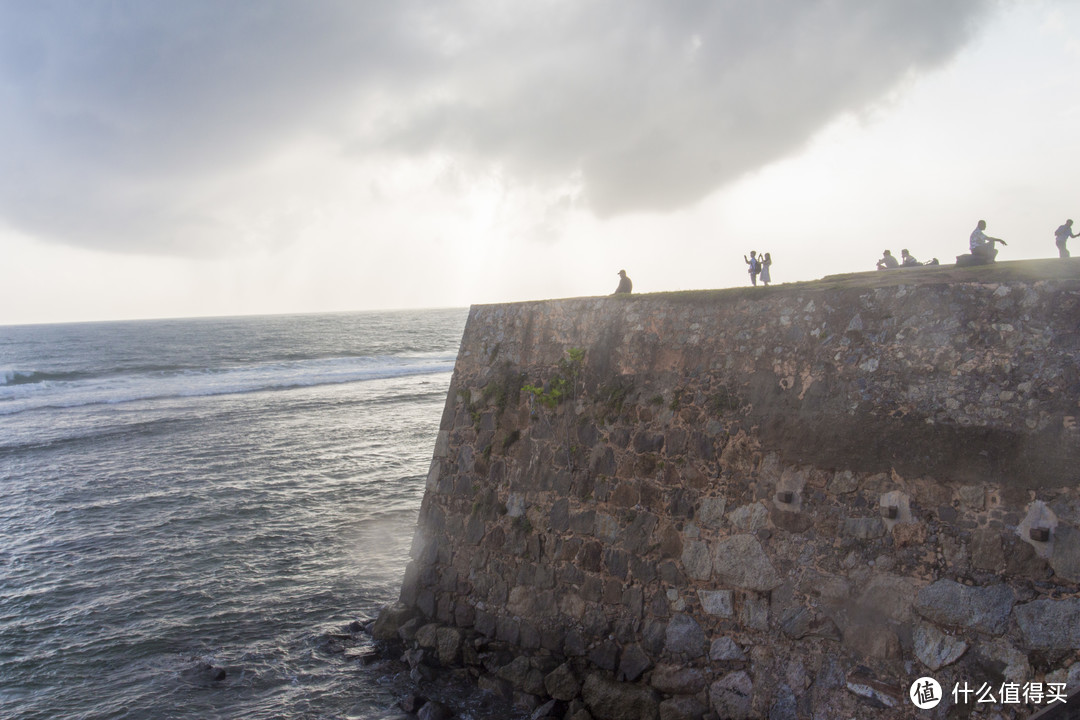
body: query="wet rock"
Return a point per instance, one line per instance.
(204, 673)
(434, 710)
(391, 617)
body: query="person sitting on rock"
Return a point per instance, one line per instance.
(982, 245)
(907, 259)
(887, 261)
(625, 286)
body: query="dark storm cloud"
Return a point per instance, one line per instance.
(113, 115)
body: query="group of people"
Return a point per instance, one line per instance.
(888, 262)
(759, 266)
(980, 245)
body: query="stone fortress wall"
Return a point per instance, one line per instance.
(781, 503)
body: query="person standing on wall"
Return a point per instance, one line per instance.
(755, 266)
(766, 263)
(1061, 236)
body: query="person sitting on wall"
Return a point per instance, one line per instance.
(625, 286)
(982, 245)
(887, 261)
(907, 259)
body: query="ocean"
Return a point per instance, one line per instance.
(226, 492)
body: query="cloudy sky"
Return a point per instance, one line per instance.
(274, 156)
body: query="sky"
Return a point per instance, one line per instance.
(288, 156)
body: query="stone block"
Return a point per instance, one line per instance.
(633, 663)
(1050, 624)
(697, 561)
(682, 708)
(1065, 555)
(562, 684)
(684, 636)
(677, 680)
(732, 696)
(724, 649)
(712, 512)
(985, 609)
(609, 700)
(716, 602)
(739, 561)
(935, 649)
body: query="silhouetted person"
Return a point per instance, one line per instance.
(887, 261)
(755, 266)
(1061, 236)
(907, 259)
(766, 263)
(625, 286)
(982, 245)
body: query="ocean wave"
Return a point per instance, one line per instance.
(29, 377)
(29, 390)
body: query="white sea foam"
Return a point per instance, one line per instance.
(18, 395)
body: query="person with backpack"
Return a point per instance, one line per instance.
(1061, 236)
(755, 266)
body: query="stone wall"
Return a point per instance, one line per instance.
(785, 503)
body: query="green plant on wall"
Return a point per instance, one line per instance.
(563, 383)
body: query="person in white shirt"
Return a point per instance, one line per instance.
(982, 245)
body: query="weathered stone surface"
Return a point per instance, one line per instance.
(724, 648)
(562, 684)
(1050, 624)
(739, 561)
(864, 528)
(935, 649)
(633, 663)
(682, 708)
(677, 680)
(1065, 557)
(888, 596)
(712, 512)
(947, 602)
(390, 619)
(684, 636)
(427, 636)
(749, 518)
(619, 701)
(732, 696)
(716, 602)
(986, 550)
(448, 645)
(697, 560)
